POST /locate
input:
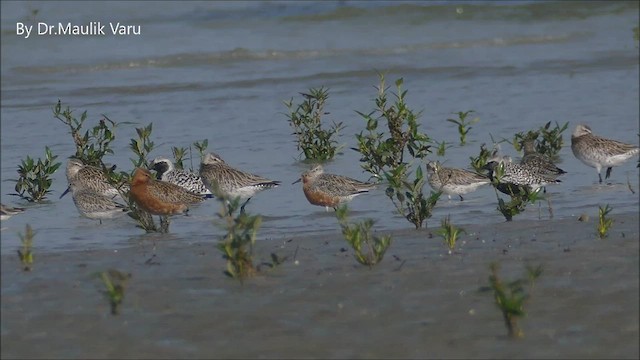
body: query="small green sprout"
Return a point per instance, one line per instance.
(512, 297)
(359, 235)
(26, 254)
(114, 282)
(604, 223)
(463, 125)
(449, 233)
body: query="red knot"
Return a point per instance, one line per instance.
(330, 190)
(159, 197)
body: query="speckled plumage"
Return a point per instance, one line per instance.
(91, 178)
(453, 181)
(538, 161)
(189, 181)
(599, 152)
(159, 197)
(230, 182)
(518, 174)
(96, 206)
(330, 190)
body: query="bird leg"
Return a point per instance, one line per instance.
(242, 207)
(608, 173)
(164, 224)
(461, 199)
(600, 178)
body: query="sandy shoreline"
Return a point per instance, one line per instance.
(418, 303)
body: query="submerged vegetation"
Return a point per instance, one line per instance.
(359, 235)
(114, 282)
(26, 253)
(237, 244)
(449, 233)
(511, 297)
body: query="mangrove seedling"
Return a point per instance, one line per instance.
(463, 124)
(141, 147)
(201, 147)
(237, 244)
(114, 282)
(35, 178)
(479, 162)
(180, 152)
(26, 254)
(359, 236)
(512, 297)
(314, 141)
(383, 154)
(94, 144)
(449, 233)
(549, 145)
(442, 148)
(178, 156)
(604, 223)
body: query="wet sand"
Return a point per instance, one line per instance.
(420, 302)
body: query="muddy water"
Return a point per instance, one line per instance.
(420, 302)
(197, 72)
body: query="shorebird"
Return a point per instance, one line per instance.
(518, 174)
(159, 197)
(599, 152)
(8, 211)
(89, 177)
(96, 206)
(538, 161)
(191, 182)
(453, 181)
(222, 179)
(330, 190)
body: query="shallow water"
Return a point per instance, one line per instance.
(220, 71)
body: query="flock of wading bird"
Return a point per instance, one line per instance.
(171, 191)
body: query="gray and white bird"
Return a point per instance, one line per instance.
(599, 152)
(95, 206)
(220, 178)
(91, 178)
(189, 181)
(454, 181)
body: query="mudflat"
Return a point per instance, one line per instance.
(419, 302)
